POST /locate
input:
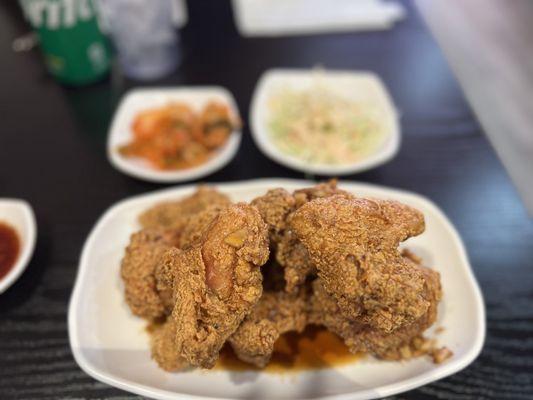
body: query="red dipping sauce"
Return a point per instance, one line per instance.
(9, 248)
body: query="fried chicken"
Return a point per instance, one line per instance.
(194, 272)
(275, 207)
(354, 244)
(217, 282)
(163, 348)
(142, 255)
(148, 291)
(275, 313)
(404, 343)
(176, 214)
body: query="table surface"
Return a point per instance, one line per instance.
(52, 153)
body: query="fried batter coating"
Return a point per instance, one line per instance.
(175, 214)
(320, 191)
(198, 224)
(217, 282)
(162, 337)
(192, 232)
(137, 270)
(294, 257)
(274, 314)
(404, 343)
(275, 207)
(354, 244)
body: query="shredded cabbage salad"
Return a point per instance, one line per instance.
(320, 126)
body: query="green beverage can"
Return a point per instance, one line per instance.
(75, 50)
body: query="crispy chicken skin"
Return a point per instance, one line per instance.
(404, 343)
(354, 244)
(164, 350)
(217, 282)
(137, 270)
(275, 313)
(200, 272)
(194, 231)
(176, 214)
(198, 224)
(275, 207)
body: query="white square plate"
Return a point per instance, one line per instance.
(140, 99)
(354, 85)
(111, 345)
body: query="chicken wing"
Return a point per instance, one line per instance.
(217, 282)
(275, 207)
(404, 343)
(142, 255)
(176, 214)
(274, 314)
(354, 244)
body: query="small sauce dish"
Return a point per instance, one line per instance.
(18, 215)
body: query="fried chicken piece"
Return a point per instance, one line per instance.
(164, 351)
(293, 256)
(354, 244)
(192, 232)
(274, 314)
(275, 208)
(176, 214)
(198, 224)
(142, 255)
(320, 191)
(217, 282)
(404, 343)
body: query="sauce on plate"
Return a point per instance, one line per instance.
(9, 248)
(314, 348)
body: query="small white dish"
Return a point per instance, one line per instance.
(140, 99)
(356, 85)
(19, 215)
(112, 345)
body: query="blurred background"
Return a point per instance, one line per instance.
(460, 74)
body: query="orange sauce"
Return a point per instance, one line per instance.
(314, 348)
(9, 248)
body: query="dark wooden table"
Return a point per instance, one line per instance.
(52, 153)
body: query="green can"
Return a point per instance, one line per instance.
(74, 48)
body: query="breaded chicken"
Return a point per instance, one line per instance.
(175, 214)
(142, 255)
(275, 313)
(163, 348)
(275, 207)
(354, 244)
(198, 224)
(404, 343)
(217, 282)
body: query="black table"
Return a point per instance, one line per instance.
(52, 153)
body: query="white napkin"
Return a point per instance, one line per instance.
(294, 17)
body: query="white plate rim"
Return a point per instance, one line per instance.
(452, 366)
(262, 141)
(27, 246)
(219, 161)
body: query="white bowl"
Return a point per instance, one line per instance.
(19, 215)
(140, 99)
(112, 345)
(356, 85)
